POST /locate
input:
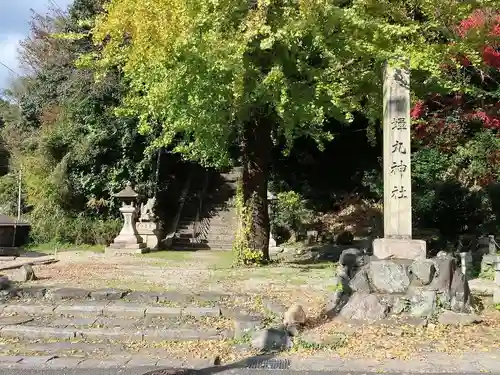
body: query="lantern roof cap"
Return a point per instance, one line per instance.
(128, 192)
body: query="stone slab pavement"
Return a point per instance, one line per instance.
(469, 363)
(145, 370)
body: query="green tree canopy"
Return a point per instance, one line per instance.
(63, 134)
(206, 75)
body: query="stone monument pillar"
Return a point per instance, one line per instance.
(147, 227)
(128, 240)
(272, 242)
(496, 292)
(397, 242)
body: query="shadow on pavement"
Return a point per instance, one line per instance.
(250, 362)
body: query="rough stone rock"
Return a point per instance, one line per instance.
(351, 257)
(336, 301)
(295, 315)
(343, 272)
(344, 238)
(271, 339)
(28, 273)
(454, 318)
(424, 270)
(423, 302)
(460, 292)
(387, 276)
(23, 274)
(444, 300)
(341, 281)
(4, 283)
(400, 304)
(360, 282)
(5, 295)
(445, 267)
(364, 306)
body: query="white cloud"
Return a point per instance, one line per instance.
(14, 26)
(9, 44)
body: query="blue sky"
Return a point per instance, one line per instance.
(14, 18)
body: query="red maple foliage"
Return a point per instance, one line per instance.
(440, 115)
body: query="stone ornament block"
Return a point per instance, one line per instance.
(392, 248)
(148, 231)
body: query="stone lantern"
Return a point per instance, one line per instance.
(128, 241)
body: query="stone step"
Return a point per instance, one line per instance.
(232, 176)
(112, 309)
(223, 216)
(189, 247)
(124, 320)
(213, 237)
(217, 246)
(222, 230)
(185, 237)
(220, 245)
(223, 219)
(184, 233)
(204, 237)
(116, 333)
(185, 223)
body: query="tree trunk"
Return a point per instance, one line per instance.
(256, 150)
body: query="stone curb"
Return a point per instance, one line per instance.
(113, 294)
(118, 309)
(149, 335)
(133, 361)
(433, 363)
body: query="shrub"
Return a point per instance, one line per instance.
(78, 230)
(8, 194)
(290, 214)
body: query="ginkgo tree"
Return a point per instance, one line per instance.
(206, 75)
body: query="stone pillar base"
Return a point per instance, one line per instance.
(496, 295)
(496, 264)
(392, 248)
(126, 248)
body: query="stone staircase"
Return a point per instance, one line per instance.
(209, 219)
(71, 327)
